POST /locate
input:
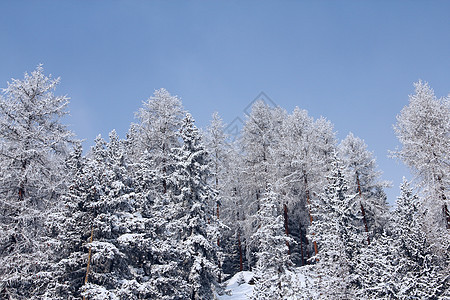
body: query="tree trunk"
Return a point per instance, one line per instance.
(446, 215)
(21, 192)
(241, 260)
(445, 211)
(89, 258)
(308, 201)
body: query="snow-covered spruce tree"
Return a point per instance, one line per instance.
(190, 241)
(375, 269)
(273, 266)
(400, 263)
(104, 207)
(423, 130)
(86, 188)
(33, 146)
(159, 121)
(419, 273)
(335, 230)
(363, 179)
(73, 222)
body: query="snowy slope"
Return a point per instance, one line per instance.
(238, 287)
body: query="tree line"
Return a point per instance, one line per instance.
(171, 211)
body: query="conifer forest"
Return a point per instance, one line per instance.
(172, 211)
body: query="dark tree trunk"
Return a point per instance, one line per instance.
(302, 260)
(308, 201)
(241, 260)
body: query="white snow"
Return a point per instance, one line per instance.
(238, 291)
(237, 287)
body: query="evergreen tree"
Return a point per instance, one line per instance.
(74, 231)
(335, 230)
(376, 267)
(418, 273)
(401, 263)
(108, 229)
(189, 241)
(273, 266)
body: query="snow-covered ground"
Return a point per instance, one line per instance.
(238, 287)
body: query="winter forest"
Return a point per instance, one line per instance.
(172, 211)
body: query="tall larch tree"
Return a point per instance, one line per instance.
(297, 171)
(34, 144)
(220, 150)
(364, 179)
(259, 138)
(423, 130)
(159, 121)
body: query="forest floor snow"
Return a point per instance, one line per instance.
(238, 287)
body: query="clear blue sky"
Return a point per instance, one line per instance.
(352, 62)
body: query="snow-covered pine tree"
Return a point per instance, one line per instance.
(34, 144)
(85, 191)
(335, 230)
(376, 267)
(73, 223)
(363, 179)
(190, 241)
(419, 273)
(108, 231)
(400, 263)
(274, 266)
